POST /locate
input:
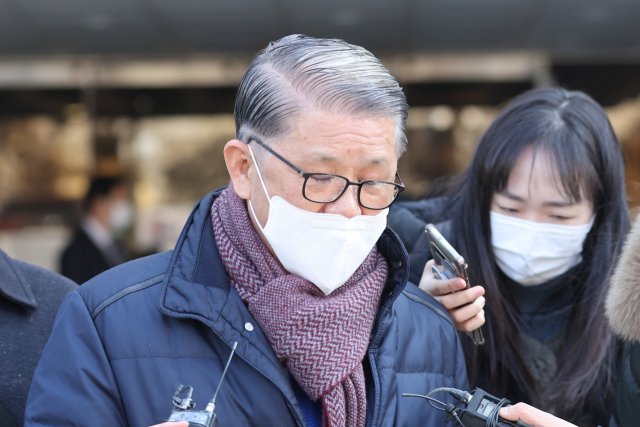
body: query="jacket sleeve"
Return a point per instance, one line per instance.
(626, 404)
(73, 384)
(461, 379)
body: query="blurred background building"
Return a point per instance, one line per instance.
(145, 89)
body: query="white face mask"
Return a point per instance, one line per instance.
(121, 216)
(325, 249)
(532, 253)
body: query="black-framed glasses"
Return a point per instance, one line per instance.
(327, 188)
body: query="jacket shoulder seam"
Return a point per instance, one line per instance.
(115, 359)
(31, 423)
(416, 298)
(81, 299)
(421, 371)
(124, 292)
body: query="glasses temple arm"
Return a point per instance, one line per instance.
(285, 161)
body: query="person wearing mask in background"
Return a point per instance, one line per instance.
(29, 300)
(539, 216)
(94, 247)
(293, 262)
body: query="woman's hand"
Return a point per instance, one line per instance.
(467, 318)
(532, 416)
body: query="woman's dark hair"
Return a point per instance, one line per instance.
(573, 130)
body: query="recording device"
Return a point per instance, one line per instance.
(481, 408)
(183, 406)
(449, 264)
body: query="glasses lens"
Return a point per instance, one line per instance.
(324, 188)
(378, 195)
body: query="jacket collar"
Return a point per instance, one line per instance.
(13, 285)
(194, 285)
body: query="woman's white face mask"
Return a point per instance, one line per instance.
(532, 253)
(537, 232)
(325, 249)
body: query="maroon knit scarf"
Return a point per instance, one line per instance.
(320, 339)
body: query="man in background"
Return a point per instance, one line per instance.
(94, 248)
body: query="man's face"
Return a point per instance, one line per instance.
(358, 149)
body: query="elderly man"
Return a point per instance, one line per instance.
(293, 261)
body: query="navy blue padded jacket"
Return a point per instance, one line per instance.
(125, 340)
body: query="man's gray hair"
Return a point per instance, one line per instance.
(298, 72)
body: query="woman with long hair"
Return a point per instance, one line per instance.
(540, 216)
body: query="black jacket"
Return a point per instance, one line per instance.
(125, 340)
(626, 405)
(29, 300)
(82, 260)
